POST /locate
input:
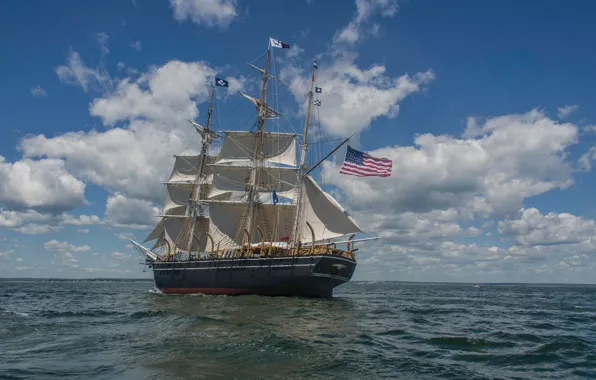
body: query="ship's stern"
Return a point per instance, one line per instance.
(331, 272)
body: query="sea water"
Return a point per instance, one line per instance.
(58, 329)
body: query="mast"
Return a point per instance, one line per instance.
(303, 149)
(196, 208)
(261, 118)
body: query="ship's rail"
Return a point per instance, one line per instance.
(318, 250)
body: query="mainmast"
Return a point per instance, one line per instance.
(196, 207)
(261, 119)
(303, 149)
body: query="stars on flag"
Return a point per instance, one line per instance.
(362, 164)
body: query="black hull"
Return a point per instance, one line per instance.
(303, 276)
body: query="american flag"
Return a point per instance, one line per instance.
(364, 165)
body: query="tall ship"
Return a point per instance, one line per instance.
(251, 219)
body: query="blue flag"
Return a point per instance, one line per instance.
(274, 197)
(221, 82)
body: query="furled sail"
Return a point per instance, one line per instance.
(327, 217)
(270, 113)
(277, 148)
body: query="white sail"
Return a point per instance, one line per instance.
(176, 199)
(156, 233)
(228, 178)
(226, 222)
(172, 227)
(327, 217)
(186, 167)
(238, 147)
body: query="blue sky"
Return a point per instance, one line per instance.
(485, 108)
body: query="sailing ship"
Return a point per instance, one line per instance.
(251, 219)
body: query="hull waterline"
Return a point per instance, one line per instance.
(303, 276)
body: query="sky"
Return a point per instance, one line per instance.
(484, 107)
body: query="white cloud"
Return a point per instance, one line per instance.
(442, 183)
(533, 228)
(55, 245)
(512, 157)
(80, 220)
(83, 230)
(165, 94)
(133, 160)
(35, 223)
(136, 45)
(38, 91)
(75, 72)
(209, 13)
(563, 112)
(365, 10)
(352, 97)
(42, 185)
(132, 213)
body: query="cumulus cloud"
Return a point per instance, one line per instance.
(563, 112)
(443, 183)
(38, 91)
(42, 185)
(136, 45)
(533, 228)
(129, 212)
(32, 222)
(510, 158)
(209, 13)
(133, 159)
(354, 97)
(166, 93)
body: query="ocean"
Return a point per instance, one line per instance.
(101, 329)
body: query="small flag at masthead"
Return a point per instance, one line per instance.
(278, 44)
(221, 82)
